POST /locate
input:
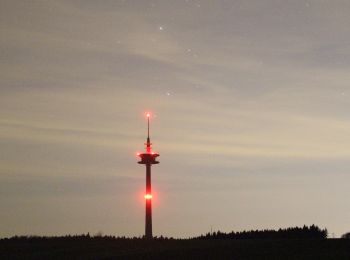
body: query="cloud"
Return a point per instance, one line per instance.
(246, 94)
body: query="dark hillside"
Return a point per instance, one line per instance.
(84, 247)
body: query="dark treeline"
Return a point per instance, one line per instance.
(312, 231)
(287, 233)
(290, 243)
(81, 237)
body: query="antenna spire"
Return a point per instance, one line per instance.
(148, 144)
(147, 126)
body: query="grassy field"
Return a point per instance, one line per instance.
(109, 248)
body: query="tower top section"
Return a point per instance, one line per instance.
(149, 157)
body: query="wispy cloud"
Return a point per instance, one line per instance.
(255, 92)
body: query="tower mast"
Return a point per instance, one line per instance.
(148, 158)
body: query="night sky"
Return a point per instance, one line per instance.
(250, 102)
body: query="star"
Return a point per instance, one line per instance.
(161, 28)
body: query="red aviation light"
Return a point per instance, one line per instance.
(148, 196)
(148, 114)
(138, 153)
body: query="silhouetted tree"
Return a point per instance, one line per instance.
(346, 235)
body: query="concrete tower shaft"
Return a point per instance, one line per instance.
(148, 158)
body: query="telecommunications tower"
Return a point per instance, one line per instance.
(148, 158)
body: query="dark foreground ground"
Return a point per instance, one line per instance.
(102, 248)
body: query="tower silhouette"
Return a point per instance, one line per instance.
(148, 158)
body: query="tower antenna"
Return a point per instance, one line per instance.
(148, 116)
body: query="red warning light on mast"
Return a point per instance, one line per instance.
(148, 196)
